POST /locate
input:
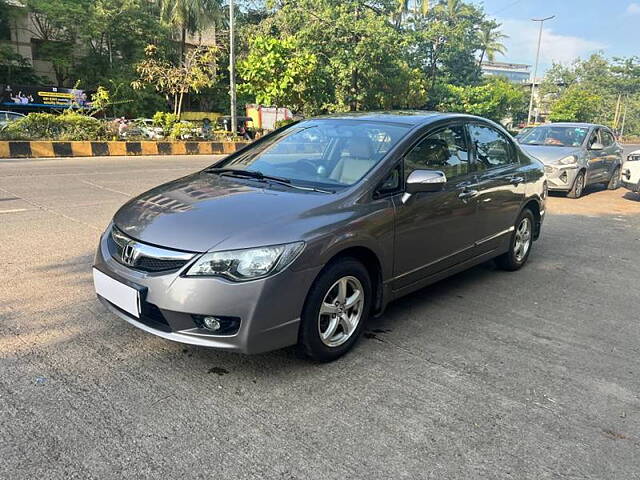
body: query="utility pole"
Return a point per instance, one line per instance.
(624, 117)
(232, 69)
(535, 69)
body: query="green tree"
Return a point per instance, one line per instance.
(196, 72)
(276, 72)
(190, 16)
(497, 99)
(55, 27)
(490, 41)
(362, 60)
(577, 105)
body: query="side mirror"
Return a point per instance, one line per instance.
(424, 181)
(597, 146)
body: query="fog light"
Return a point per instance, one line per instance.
(217, 325)
(211, 323)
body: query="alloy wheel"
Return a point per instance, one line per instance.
(341, 311)
(522, 240)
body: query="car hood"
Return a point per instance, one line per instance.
(550, 155)
(202, 211)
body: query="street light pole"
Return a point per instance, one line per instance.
(535, 69)
(232, 70)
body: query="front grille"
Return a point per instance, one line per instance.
(149, 264)
(145, 257)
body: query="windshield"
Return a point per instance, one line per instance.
(326, 152)
(554, 136)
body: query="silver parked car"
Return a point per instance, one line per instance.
(8, 117)
(301, 236)
(575, 155)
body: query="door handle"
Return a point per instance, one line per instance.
(466, 194)
(516, 180)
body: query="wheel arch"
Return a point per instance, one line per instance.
(533, 204)
(371, 262)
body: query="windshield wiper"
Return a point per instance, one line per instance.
(261, 176)
(310, 189)
(246, 173)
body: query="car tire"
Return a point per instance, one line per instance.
(578, 186)
(327, 310)
(520, 243)
(614, 181)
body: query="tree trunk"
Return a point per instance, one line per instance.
(481, 57)
(183, 43)
(180, 103)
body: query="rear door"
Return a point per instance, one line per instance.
(612, 151)
(436, 230)
(501, 183)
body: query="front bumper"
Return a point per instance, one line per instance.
(561, 177)
(269, 309)
(634, 187)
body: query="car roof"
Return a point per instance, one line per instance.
(408, 117)
(571, 124)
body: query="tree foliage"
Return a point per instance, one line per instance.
(595, 89)
(197, 71)
(496, 99)
(277, 72)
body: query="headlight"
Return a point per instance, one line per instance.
(247, 264)
(570, 160)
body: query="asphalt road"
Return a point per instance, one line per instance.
(526, 375)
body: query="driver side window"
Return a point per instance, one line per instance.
(445, 150)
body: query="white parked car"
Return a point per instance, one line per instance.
(631, 172)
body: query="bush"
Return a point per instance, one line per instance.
(44, 126)
(282, 123)
(184, 131)
(166, 121)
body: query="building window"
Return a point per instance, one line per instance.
(5, 29)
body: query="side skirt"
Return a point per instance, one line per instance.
(460, 267)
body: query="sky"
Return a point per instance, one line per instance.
(581, 27)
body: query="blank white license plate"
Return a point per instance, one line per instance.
(121, 295)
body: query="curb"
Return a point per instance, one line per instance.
(48, 149)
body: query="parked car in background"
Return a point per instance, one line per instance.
(631, 172)
(147, 129)
(523, 131)
(7, 117)
(303, 235)
(575, 155)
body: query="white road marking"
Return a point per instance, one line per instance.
(87, 182)
(15, 210)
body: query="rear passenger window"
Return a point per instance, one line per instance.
(607, 138)
(445, 150)
(492, 148)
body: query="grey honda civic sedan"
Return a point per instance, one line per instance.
(302, 236)
(575, 155)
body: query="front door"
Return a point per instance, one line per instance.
(501, 184)
(596, 171)
(436, 230)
